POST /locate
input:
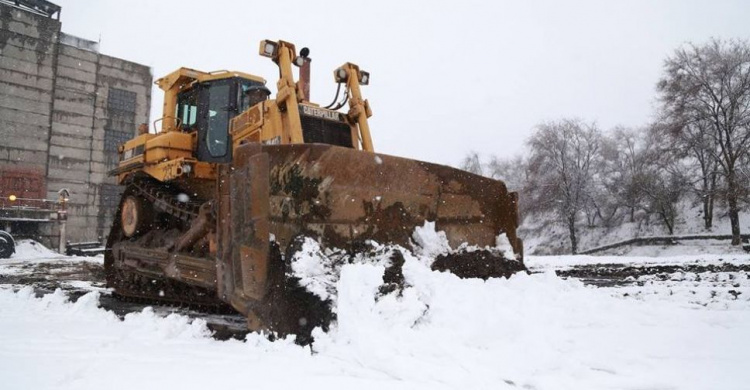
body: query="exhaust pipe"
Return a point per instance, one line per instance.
(304, 74)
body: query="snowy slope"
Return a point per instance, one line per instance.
(544, 235)
(532, 331)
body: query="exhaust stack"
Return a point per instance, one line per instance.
(303, 61)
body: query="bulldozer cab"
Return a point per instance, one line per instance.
(207, 108)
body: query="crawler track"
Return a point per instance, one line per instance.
(132, 285)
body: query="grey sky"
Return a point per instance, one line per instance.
(447, 76)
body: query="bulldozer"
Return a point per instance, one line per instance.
(215, 204)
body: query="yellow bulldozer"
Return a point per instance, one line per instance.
(214, 205)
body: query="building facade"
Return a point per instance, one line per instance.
(64, 109)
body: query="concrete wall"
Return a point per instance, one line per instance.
(27, 52)
(55, 113)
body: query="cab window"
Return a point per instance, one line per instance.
(218, 119)
(248, 100)
(187, 109)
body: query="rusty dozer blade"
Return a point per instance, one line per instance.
(342, 197)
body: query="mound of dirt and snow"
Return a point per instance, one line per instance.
(318, 269)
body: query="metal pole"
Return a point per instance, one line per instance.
(61, 248)
(62, 217)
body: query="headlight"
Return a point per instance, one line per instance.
(364, 77)
(268, 48)
(340, 74)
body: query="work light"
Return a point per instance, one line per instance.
(268, 48)
(364, 77)
(340, 74)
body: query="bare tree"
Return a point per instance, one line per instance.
(512, 171)
(694, 144)
(661, 182)
(623, 167)
(560, 169)
(711, 84)
(472, 163)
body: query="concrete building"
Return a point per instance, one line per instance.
(64, 109)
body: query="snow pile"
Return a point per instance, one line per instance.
(502, 243)
(319, 270)
(428, 242)
(30, 249)
(316, 271)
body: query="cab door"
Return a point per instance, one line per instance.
(217, 105)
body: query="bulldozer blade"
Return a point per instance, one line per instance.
(273, 195)
(343, 196)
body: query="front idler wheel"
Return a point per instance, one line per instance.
(136, 216)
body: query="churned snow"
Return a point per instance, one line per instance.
(535, 331)
(315, 271)
(503, 244)
(430, 243)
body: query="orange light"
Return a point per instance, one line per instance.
(12, 198)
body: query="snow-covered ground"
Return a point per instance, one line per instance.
(535, 331)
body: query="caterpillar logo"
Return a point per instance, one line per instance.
(320, 113)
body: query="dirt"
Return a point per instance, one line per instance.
(606, 275)
(483, 264)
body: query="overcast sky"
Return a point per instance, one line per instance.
(447, 76)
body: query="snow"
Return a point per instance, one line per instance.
(30, 249)
(503, 244)
(319, 270)
(30, 252)
(564, 262)
(314, 271)
(430, 243)
(536, 331)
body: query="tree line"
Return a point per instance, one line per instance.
(697, 149)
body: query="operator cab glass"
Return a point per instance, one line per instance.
(207, 108)
(252, 93)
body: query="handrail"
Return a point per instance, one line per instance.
(178, 121)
